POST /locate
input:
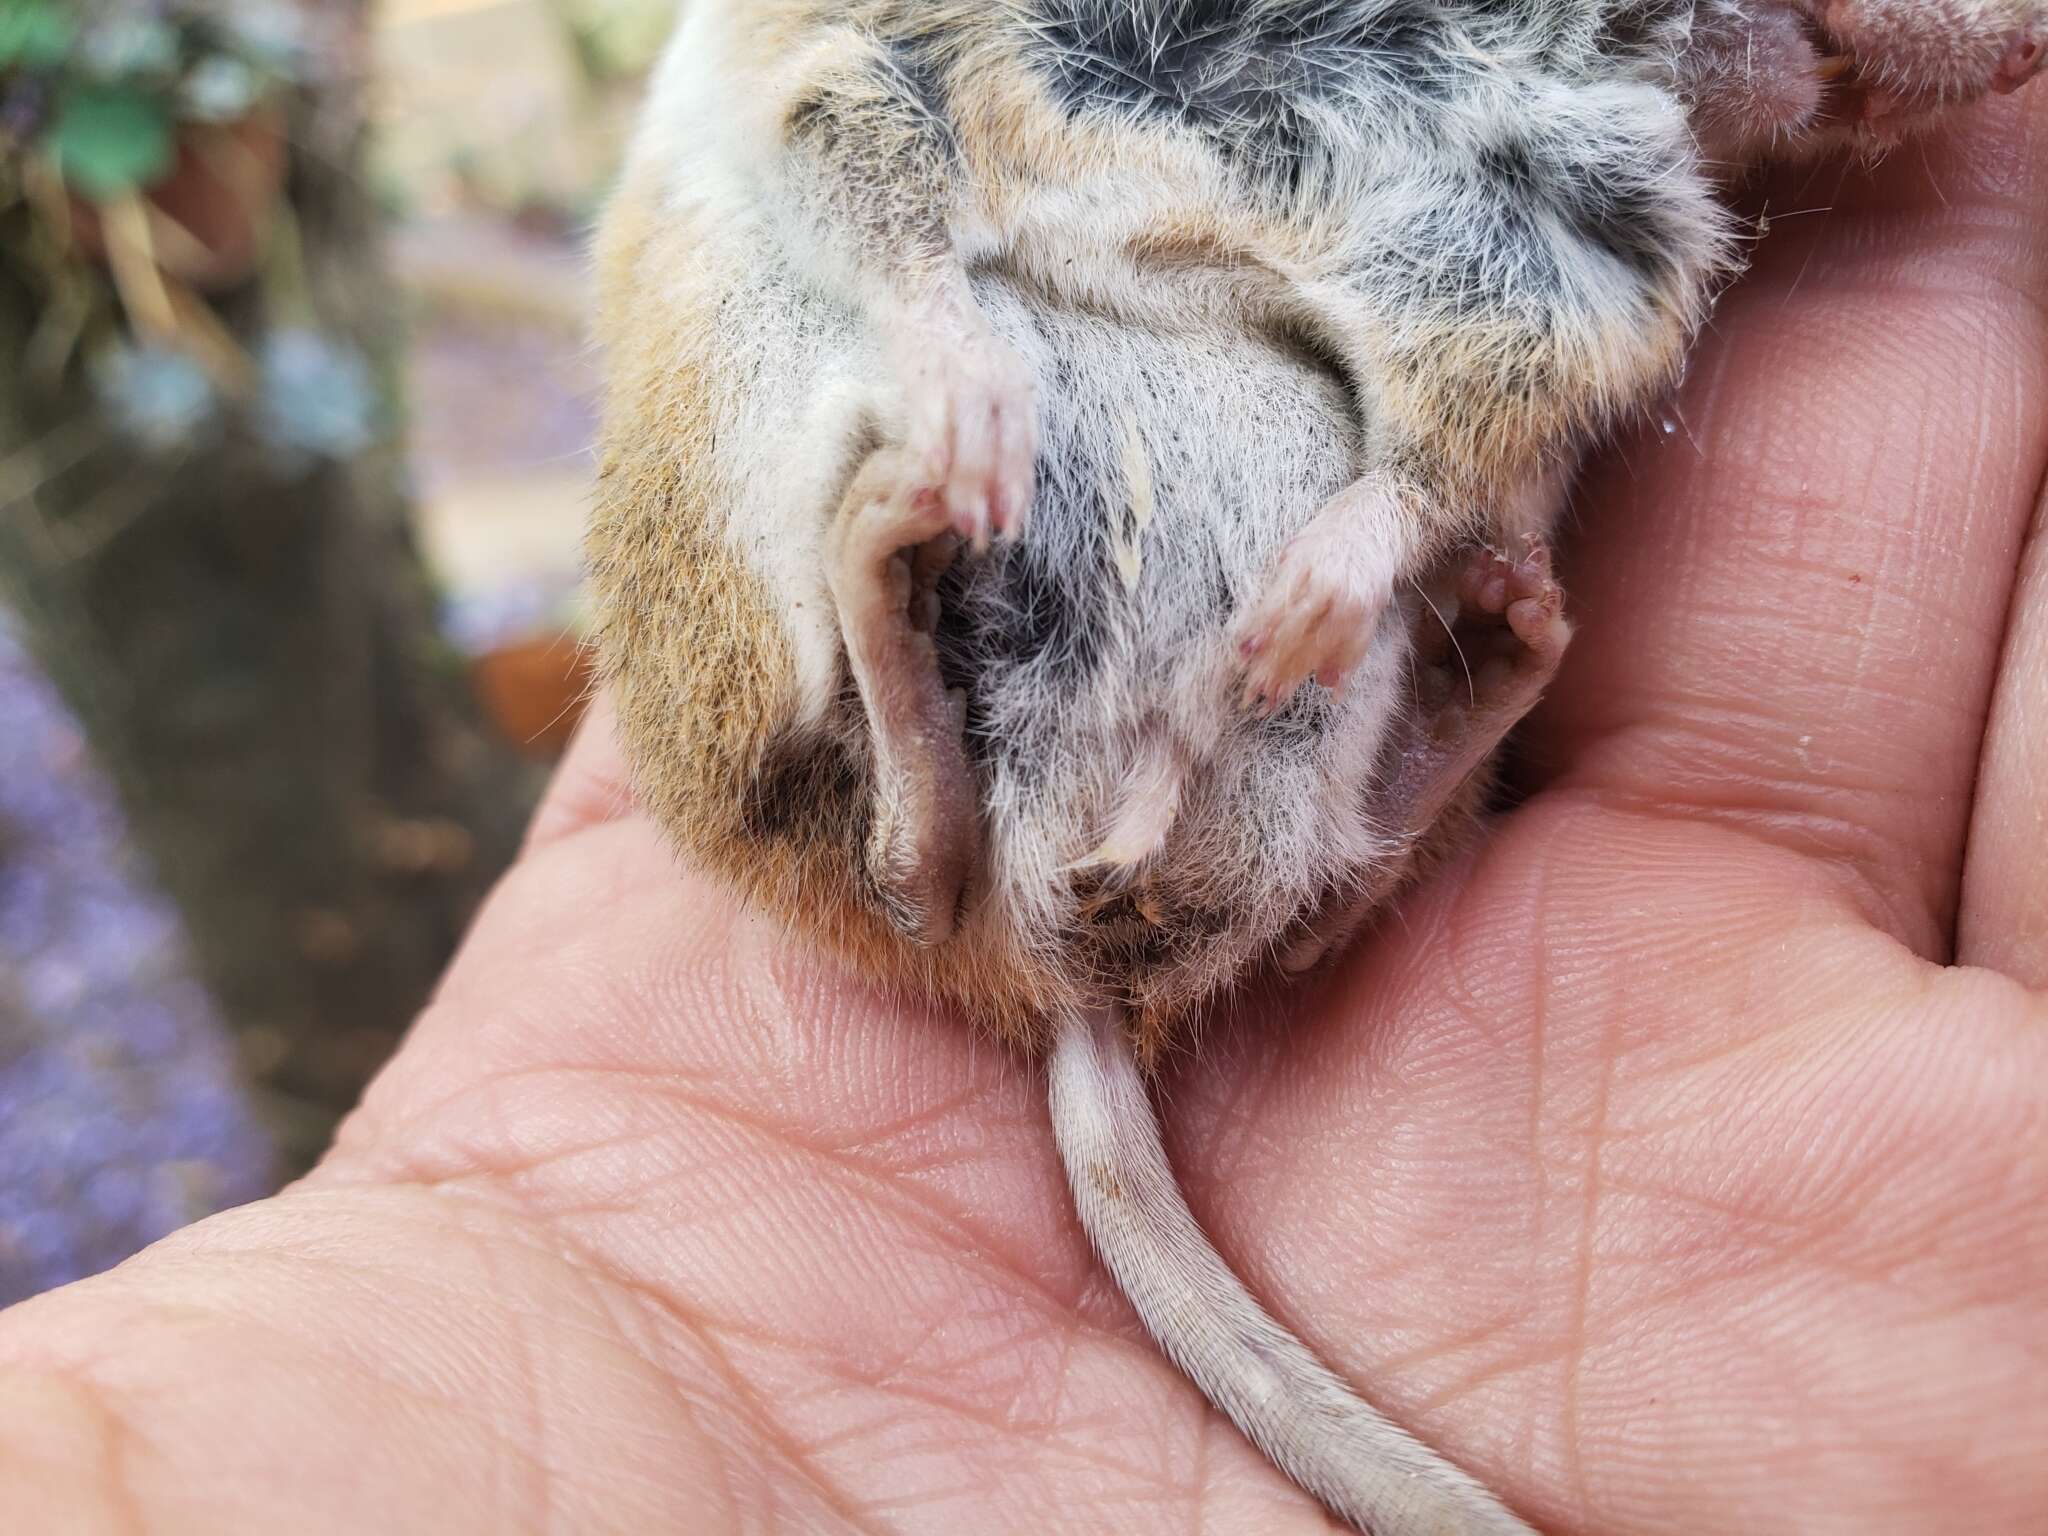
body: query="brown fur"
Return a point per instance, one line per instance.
(701, 662)
(700, 667)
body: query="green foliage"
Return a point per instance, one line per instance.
(100, 88)
(108, 141)
(102, 93)
(34, 34)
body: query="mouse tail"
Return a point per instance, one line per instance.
(1364, 1467)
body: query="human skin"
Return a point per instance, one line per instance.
(1675, 1160)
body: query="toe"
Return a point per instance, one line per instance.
(1012, 503)
(970, 516)
(1484, 586)
(968, 480)
(1530, 580)
(1290, 654)
(1539, 624)
(1483, 583)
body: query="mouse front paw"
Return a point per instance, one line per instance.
(1318, 608)
(972, 433)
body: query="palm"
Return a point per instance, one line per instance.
(1646, 1160)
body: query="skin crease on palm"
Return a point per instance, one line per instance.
(1675, 1160)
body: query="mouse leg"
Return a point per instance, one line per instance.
(1905, 60)
(1316, 613)
(885, 552)
(1477, 674)
(866, 179)
(1525, 297)
(1477, 679)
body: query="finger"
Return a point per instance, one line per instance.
(1289, 634)
(1792, 601)
(1355, 628)
(1279, 595)
(2003, 921)
(590, 785)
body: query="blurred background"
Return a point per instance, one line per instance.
(295, 426)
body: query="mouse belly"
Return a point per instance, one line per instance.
(1137, 837)
(1144, 836)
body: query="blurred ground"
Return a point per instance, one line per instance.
(120, 1119)
(499, 122)
(502, 393)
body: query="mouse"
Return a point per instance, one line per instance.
(1077, 484)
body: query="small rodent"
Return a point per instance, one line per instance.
(1076, 481)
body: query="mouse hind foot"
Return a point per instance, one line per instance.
(1477, 675)
(884, 554)
(1479, 670)
(1321, 604)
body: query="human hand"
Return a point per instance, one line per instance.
(1651, 1160)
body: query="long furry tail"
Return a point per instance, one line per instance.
(1367, 1469)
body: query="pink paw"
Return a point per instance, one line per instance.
(1526, 604)
(1501, 647)
(1314, 618)
(973, 427)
